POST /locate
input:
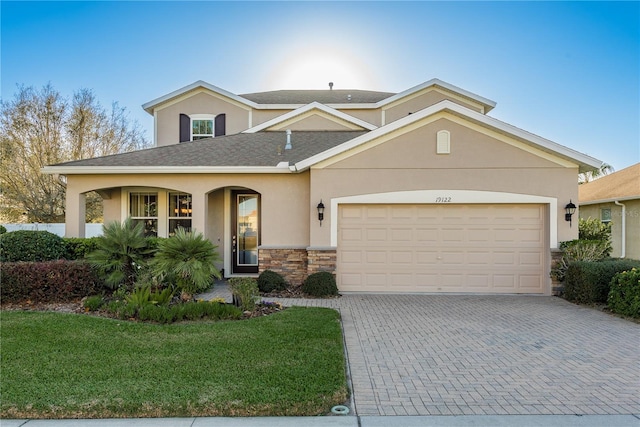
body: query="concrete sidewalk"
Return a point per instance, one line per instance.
(350, 421)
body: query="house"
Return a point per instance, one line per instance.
(417, 191)
(615, 198)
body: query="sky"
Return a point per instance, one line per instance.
(566, 71)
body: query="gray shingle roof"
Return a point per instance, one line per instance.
(321, 96)
(251, 149)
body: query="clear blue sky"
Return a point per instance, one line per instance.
(567, 71)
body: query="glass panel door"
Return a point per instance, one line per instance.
(246, 234)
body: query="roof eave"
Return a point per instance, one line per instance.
(608, 200)
(121, 170)
(151, 105)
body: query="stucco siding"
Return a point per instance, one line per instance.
(632, 225)
(167, 120)
(477, 162)
(420, 101)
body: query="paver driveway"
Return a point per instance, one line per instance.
(462, 354)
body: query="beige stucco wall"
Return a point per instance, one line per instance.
(477, 162)
(315, 122)
(632, 225)
(373, 116)
(284, 201)
(168, 117)
(420, 101)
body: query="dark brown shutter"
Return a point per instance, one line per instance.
(221, 125)
(185, 128)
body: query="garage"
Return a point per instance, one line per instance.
(473, 248)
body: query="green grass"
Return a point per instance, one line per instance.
(56, 365)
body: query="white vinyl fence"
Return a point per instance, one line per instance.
(90, 230)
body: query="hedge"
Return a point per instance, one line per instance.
(47, 282)
(79, 247)
(588, 282)
(624, 296)
(31, 245)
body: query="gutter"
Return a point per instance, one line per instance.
(623, 251)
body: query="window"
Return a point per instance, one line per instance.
(201, 128)
(605, 215)
(179, 212)
(143, 207)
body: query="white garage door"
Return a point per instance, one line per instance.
(441, 248)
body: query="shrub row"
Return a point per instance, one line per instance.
(47, 282)
(40, 245)
(194, 310)
(588, 282)
(624, 296)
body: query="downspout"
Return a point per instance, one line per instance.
(623, 251)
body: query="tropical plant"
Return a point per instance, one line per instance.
(189, 259)
(594, 229)
(591, 175)
(121, 253)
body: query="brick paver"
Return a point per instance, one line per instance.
(477, 355)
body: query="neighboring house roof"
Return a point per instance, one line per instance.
(621, 185)
(234, 153)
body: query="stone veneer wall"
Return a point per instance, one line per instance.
(295, 264)
(556, 287)
(321, 260)
(290, 262)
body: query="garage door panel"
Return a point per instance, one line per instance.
(442, 248)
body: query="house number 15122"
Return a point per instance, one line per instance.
(443, 199)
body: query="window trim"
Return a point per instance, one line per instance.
(189, 213)
(210, 117)
(602, 219)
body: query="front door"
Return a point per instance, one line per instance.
(245, 235)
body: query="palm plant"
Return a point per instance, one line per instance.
(120, 253)
(189, 258)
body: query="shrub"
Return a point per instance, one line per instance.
(3, 229)
(79, 247)
(269, 281)
(624, 296)
(188, 311)
(594, 229)
(245, 292)
(120, 253)
(578, 250)
(31, 245)
(47, 282)
(320, 284)
(189, 258)
(94, 302)
(589, 282)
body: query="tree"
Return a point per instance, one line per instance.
(604, 169)
(41, 127)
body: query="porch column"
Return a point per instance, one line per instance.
(200, 212)
(74, 214)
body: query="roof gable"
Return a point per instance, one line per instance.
(280, 122)
(621, 185)
(523, 139)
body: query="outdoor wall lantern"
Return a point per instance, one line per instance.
(570, 209)
(320, 212)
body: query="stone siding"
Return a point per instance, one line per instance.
(321, 260)
(290, 262)
(556, 286)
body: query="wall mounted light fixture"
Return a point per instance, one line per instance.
(320, 208)
(570, 209)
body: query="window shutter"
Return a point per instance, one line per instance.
(220, 125)
(185, 125)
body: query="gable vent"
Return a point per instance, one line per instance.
(443, 142)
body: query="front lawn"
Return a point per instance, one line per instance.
(56, 365)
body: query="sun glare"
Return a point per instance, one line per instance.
(314, 68)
